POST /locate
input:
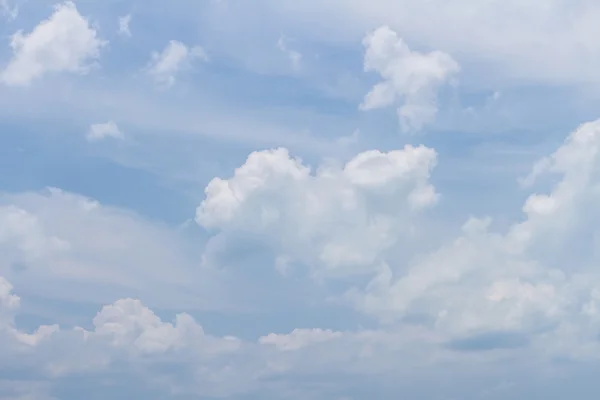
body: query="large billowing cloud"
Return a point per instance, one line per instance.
(519, 294)
(511, 287)
(539, 276)
(339, 219)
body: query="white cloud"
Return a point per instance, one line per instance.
(526, 279)
(58, 238)
(105, 130)
(338, 220)
(65, 42)
(501, 37)
(522, 293)
(131, 325)
(22, 231)
(125, 330)
(180, 358)
(124, 25)
(175, 57)
(503, 304)
(411, 77)
(523, 285)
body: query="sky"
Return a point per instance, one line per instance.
(286, 199)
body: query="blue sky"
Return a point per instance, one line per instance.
(293, 199)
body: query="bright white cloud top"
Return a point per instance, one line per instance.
(236, 241)
(411, 76)
(65, 42)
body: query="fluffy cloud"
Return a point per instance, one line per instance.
(483, 288)
(408, 76)
(484, 296)
(106, 130)
(536, 281)
(338, 220)
(176, 56)
(179, 359)
(125, 332)
(65, 42)
(349, 280)
(129, 324)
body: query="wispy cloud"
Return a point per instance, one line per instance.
(174, 58)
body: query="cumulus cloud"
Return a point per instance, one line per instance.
(123, 332)
(411, 77)
(485, 295)
(104, 130)
(9, 303)
(180, 359)
(485, 288)
(527, 280)
(339, 219)
(129, 324)
(65, 42)
(175, 57)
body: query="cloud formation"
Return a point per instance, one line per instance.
(409, 77)
(65, 42)
(337, 220)
(360, 218)
(175, 57)
(519, 293)
(337, 267)
(104, 130)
